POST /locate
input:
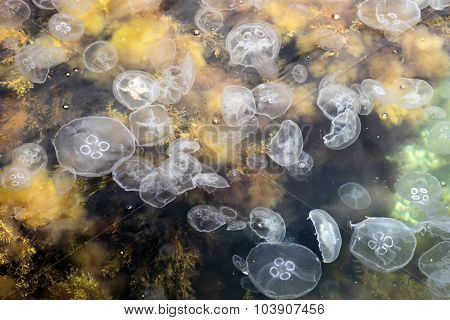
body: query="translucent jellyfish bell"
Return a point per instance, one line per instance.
(439, 138)
(210, 180)
(100, 56)
(31, 61)
(161, 53)
(382, 244)
(205, 218)
(272, 99)
(226, 4)
(303, 168)
(64, 179)
(283, 270)
(328, 234)
(437, 226)
(208, 19)
(376, 91)
(66, 28)
(330, 40)
(181, 170)
(335, 99)
(73, 7)
(239, 263)
(267, 224)
(435, 263)
(154, 189)
(254, 44)
(286, 145)
(236, 225)
(13, 13)
(135, 89)
(31, 156)
(93, 146)
(411, 93)
(419, 187)
(345, 130)
(129, 174)
(435, 113)
(44, 4)
(354, 196)
(16, 178)
(365, 100)
(300, 73)
(229, 213)
(439, 4)
(238, 106)
(182, 145)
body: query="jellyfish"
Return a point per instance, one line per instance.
(229, 213)
(16, 178)
(51, 53)
(256, 161)
(182, 145)
(66, 28)
(161, 54)
(254, 44)
(239, 263)
(181, 171)
(205, 218)
(330, 40)
(422, 4)
(283, 270)
(438, 139)
(436, 226)
(236, 225)
(180, 78)
(437, 288)
(419, 187)
(226, 4)
(93, 146)
(286, 145)
(439, 4)
(154, 189)
(238, 106)
(64, 179)
(354, 195)
(151, 125)
(335, 99)
(168, 95)
(376, 91)
(411, 93)
(303, 168)
(382, 244)
(208, 19)
(435, 113)
(44, 4)
(210, 180)
(430, 209)
(267, 224)
(328, 234)
(259, 4)
(435, 263)
(100, 56)
(31, 156)
(32, 62)
(73, 8)
(129, 174)
(272, 99)
(13, 13)
(300, 73)
(345, 130)
(365, 100)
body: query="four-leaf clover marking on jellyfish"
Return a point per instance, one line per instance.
(94, 148)
(282, 269)
(63, 28)
(380, 243)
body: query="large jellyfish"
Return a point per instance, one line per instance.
(16, 178)
(181, 170)
(130, 173)
(382, 244)
(267, 224)
(283, 270)
(419, 187)
(100, 56)
(286, 145)
(92, 146)
(31, 156)
(135, 89)
(435, 263)
(328, 234)
(354, 196)
(411, 93)
(66, 28)
(238, 106)
(33, 63)
(155, 188)
(335, 99)
(13, 13)
(205, 218)
(439, 138)
(272, 99)
(345, 130)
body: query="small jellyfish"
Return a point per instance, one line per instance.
(439, 138)
(335, 99)
(303, 168)
(31, 156)
(64, 179)
(73, 8)
(182, 145)
(300, 73)
(100, 56)
(181, 171)
(13, 13)
(267, 224)
(239, 263)
(236, 225)
(256, 162)
(411, 93)
(382, 244)
(161, 54)
(345, 130)
(44, 4)
(272, 99)
(16, 178)
(180, 78)
(435, 263)
(229, 213)
(286, 145)
(439, 4)
(66, 28)
(238, 106)
(210, 180)
(31, 61)
(283, 270)
(205, 218)
(208, 19)
(355, 196)
(151, 125)
(254, 44)
(168, 95)
(93, 146)
(364, 99)
(377, 91)
(129, 174)
(419, 187)
(329, 40)
(435, 113)
(155, 189)
(328, 234)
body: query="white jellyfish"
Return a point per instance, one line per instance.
(100, 56)
(236, 225)
(303, 168)
(51, 53)
(44, 4)
(435, 263)
(32, 62)
(286, 145)
(411, 93)
(229, 213)
(73, 8)
(66, 28)
(226, 4)
(208, 19)
(205, 218)
(267, 224)
(430, 209)
(182, 145)
(354, 196)
(300, 73)
(283, 270)
(335, 99)
(328, 234)
(13, 13)
(238, 106)
(239, 263)
(93, 146)
(16, 178)
(437, 227)
(259, 4)
(129, 174)
(210, 180)
(439, 138)
(272, 99)
(365, 100)
(437, 288)
(31, 156)
(161, 54)
(435, 113)
(419, 187)
(345, 130)
(151, 125)
(178, 80)
(181, 171)
(256, 161)
(64, 178)
(254, 44)
(376, 91)
(154, 189)
(382, 244)
(439, 4)
(329, 40)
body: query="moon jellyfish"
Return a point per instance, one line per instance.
(303, 168)
(73, 8)
(66, 28)
(411, 93)
(439, 138)
(44, 4)
(254, 44)
(283, 270)
(31, 156)
(100, 56)
(267, 224)
(210, 180)
(161, 53)
(229, 213)
(239, 263)
(286, 145)
(328, 234)
(64, 179)
(238, 106)
(93, 146)
(256, 161)
(272, 99)
(16, 178)
(236, 225)
(225, 4)
(354, 196)
(376, 91)
(437, 227)
(155, 188)
(382, 244)
(437, 288)
(364, 99)
(300, 73)
(335, 99)
(151, 125)
(259, 4)
(181, 171)
(436, 113)
(439, 4)
(13, 13)
(435, 263)
(180, 79)
(205, 218)
(32, 62)
(330, 40)
(129, 174)
(182, 145)
(345, 130)
(430, 209)
(419, 187)
(208, 19)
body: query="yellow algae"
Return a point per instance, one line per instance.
(395, 115)
(94, 21)
(386, 72)
(188, 43)
(284, 18)
(304, 102)
(77, 286)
